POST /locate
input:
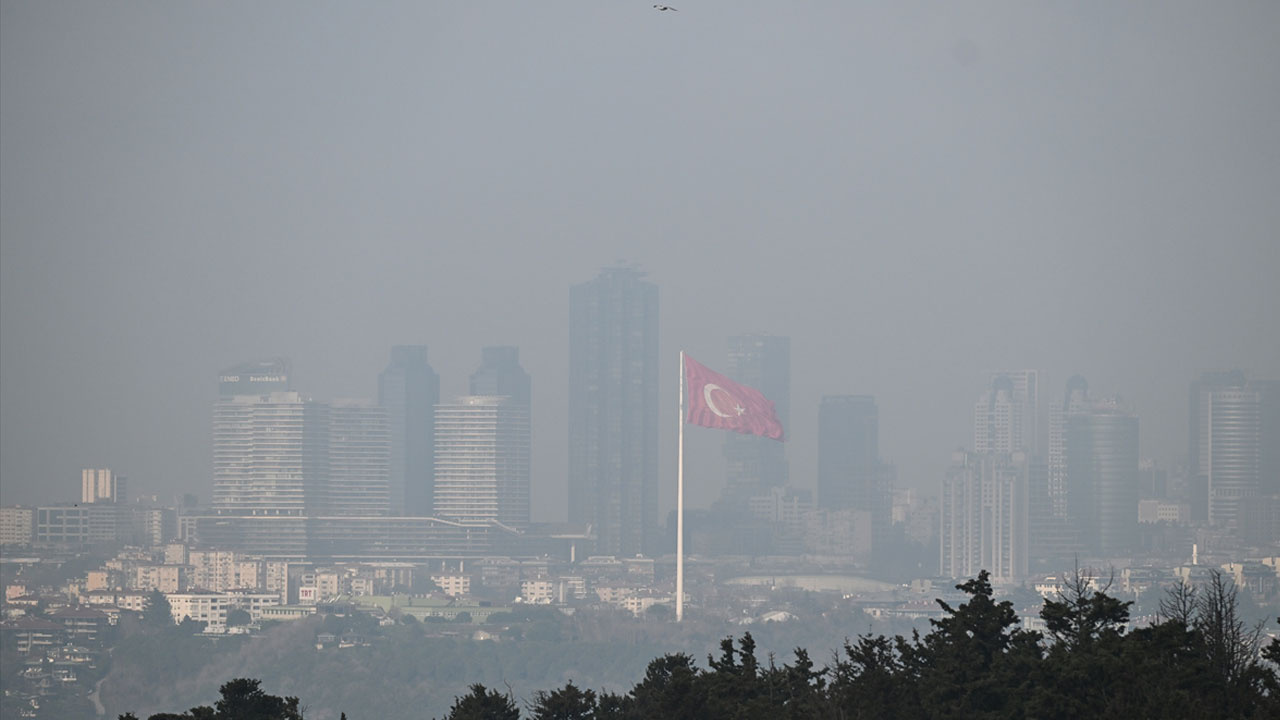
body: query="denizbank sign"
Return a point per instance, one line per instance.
(251, 384)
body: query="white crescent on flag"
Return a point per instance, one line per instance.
(711, 405)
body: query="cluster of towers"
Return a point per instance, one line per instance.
(1016, 498)
(279, 452)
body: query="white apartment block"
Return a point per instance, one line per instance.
(453, 584)
(537, 592)
(206, 607)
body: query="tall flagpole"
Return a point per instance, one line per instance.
(680, 502)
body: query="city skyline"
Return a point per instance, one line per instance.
(981, 220)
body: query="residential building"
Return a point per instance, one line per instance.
(205, 607)
(1006, 418)
(984, 516)
(101, 485)
(453, 584)
(359, 459)
(1227, 443)
(270, 454)
(482, 461)
(17, 525)
(613, 410)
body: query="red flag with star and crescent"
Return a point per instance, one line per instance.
(715, 401)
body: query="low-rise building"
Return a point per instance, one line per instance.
(453, 584)
(205, 607)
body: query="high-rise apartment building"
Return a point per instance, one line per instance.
(409, 390)
(99, 485)
(359, 459)
(613, 410)
(757, 465)
(1006, 419)
(984, 516)
(270, 454)
(1100, 446)
(1234, 444)
(500, 374)
(482, 461)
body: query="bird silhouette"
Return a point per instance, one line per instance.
(664, 8)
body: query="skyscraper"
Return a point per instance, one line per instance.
(482, 460)
(1226, 443)
(984, 516)
(848, 452)
(359, 459)
(270, 454)
(1101, 454)
(613, 410)
(500, 374)
(409, 390)
(1074, 400)
(757, 464)
(1006, 418)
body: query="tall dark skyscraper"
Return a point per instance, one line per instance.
(409, 390)
(758, 464)
(613, 410)
(1101, 454)
(848, 451)
(850, 474)
(500, 374)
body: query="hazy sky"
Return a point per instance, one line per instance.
(916, 193)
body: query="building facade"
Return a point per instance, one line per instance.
(270, 454)
(482, 461)
(409, 390)
(984, 516)
(613, 410)
(359, 459)
(1006, 418)
(98, 485)
(1101, 455)
(500, 374)
(1227, 443)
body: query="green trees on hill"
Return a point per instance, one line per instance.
(977, 661)
(242, 699)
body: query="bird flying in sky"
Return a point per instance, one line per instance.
(664, 8)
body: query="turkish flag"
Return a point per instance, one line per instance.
(715, 401)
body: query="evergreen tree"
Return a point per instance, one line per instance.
(482, 704)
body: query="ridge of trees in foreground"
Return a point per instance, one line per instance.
(1199, 661)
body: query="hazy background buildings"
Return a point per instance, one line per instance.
(915, 196)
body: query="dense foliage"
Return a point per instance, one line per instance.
(977, 661)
